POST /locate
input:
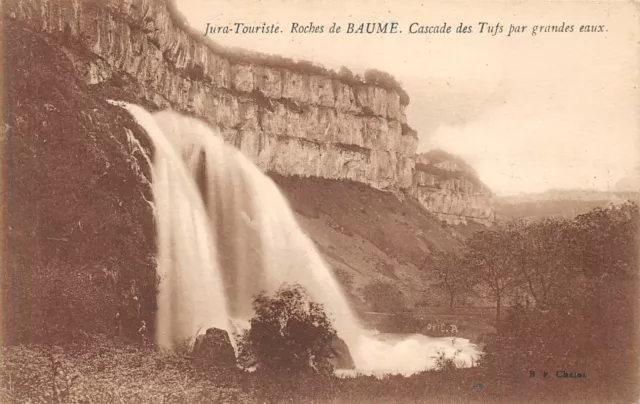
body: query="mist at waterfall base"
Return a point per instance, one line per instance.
(225, 232)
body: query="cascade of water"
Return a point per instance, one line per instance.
(226, 232)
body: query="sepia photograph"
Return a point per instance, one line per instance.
(332, 201)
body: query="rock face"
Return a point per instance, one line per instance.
(76, 183)
(448, 187)
(292, 120)
(214, 348)
(80, 242)
(341, 356)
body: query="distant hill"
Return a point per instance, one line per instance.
(557, 203)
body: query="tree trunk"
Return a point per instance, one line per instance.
(451, 299)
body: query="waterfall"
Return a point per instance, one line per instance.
(226, 232)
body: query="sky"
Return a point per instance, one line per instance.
(530, 113)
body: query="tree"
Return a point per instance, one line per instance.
(289, 333)
(384, 297)
(345, 74)
(453, 275)
(493, 260)
(541, 251)
(584, 273)
(605, 240)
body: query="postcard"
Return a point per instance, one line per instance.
(345, 201)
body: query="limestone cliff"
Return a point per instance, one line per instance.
(448, 187)
(293, 120)
(80, 242)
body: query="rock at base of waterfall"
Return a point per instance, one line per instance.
(341, 356)
(214, 347)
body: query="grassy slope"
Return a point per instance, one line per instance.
(109, 371)
(369, 234)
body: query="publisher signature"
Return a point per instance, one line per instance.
(560, 374)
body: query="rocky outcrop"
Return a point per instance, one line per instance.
(340, 354)
(293, 121)
(214, 348)
(448, 187)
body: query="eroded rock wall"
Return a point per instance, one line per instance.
(290, 122)
(448, 187)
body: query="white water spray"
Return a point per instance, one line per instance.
(226, 232)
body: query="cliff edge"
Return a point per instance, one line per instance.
(293, 120)
(450, 188)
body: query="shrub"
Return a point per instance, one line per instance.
(384, 297)
(345, 74)
(385, 80)
(289, 333)
(447, 365)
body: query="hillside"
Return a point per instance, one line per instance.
(366, 234)
(557, 203)
(74, 183)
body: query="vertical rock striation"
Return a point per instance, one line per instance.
(290, 118)
(448, 187)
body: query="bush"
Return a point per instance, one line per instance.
(289, 333)
(384, 297)
(345, 74)
(385, 80)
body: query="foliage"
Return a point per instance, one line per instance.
(448, 365)
(605, 241)
(289, 333)
(541, 255)
(588, 322)
(452, 274)
(491, 256)
(345, 74)
(76, 186)
(384, 297)
(580, 310)
(70, 304)
(111, 371)
(386, 80)
(241, 56)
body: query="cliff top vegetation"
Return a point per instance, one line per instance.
(236, 55)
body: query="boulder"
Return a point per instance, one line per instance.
(214, 347)
(341, 356)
